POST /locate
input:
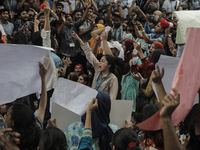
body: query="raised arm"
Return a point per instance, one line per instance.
(86, 11)
(70, 6)
(121, 13)
(86, 139)
(96, 44)
(36, 23)
(87, 50)
(94, 5)
(108, 17)
(54, 5)
(78, 4)
(170, 103)
(97, 32)
(43, 99)
(157, 79)
(147, 4)
(144, 36)
(105, 43)
(131, 9)
(20, 4)
(60, 30)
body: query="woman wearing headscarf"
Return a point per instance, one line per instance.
(129, 85)
(101, 129)
(147, 64)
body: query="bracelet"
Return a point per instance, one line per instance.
(51, 11)
(69, 3)
(143, 31)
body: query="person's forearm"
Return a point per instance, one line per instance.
(54, 15)
(197, 124)
(137, 32)
(47, 22)
(147, 4)
(54, 6)
(77, 6)
(165, 41)
(170, 42)
(85, 15)
(146, 38)
(83, 4)
(121, 12)
(36, 27)
(37, 7)
(19, 5)
(88, 120)
(171, 141)
(141, 54)
(70, 7)
(107, 48)
(160, 91)
(95, 7)
(142, 13)
(95, 48)
(131, 8)
(97, 32)
(83, 32)
(80, 41)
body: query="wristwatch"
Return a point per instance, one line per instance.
(169, 35)
(51, 11)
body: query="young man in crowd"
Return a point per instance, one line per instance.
(23, 24)
(7, 26)
(69, 47)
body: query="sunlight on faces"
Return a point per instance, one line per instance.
(103, 64)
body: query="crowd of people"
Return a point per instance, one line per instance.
(111, 47)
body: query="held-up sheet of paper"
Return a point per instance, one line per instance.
(19, 71)
(73, 96)
(120, 111)
(64, 117)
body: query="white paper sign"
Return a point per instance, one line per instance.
(66, 6)
(64, 117)
(19, 71)
(73, 96)
(120, 111)
(186, 19)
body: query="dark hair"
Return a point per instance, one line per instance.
(76, 10)
(3, 10)
(155, 136)
(20, 11)
(73, 76)
(149, 110)
(41, 14)
(111, 61)
(19, 38)
(99, 18)
(85, 77)
(53, 139)
(36, 38)
(137, 117)
(156, 55)
(123, 137)
(60, 4)
(96, 13)
(25, 124)
(91, 8)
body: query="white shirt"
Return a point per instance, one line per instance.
(2, 30)
(169, 6)
(52, 73)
